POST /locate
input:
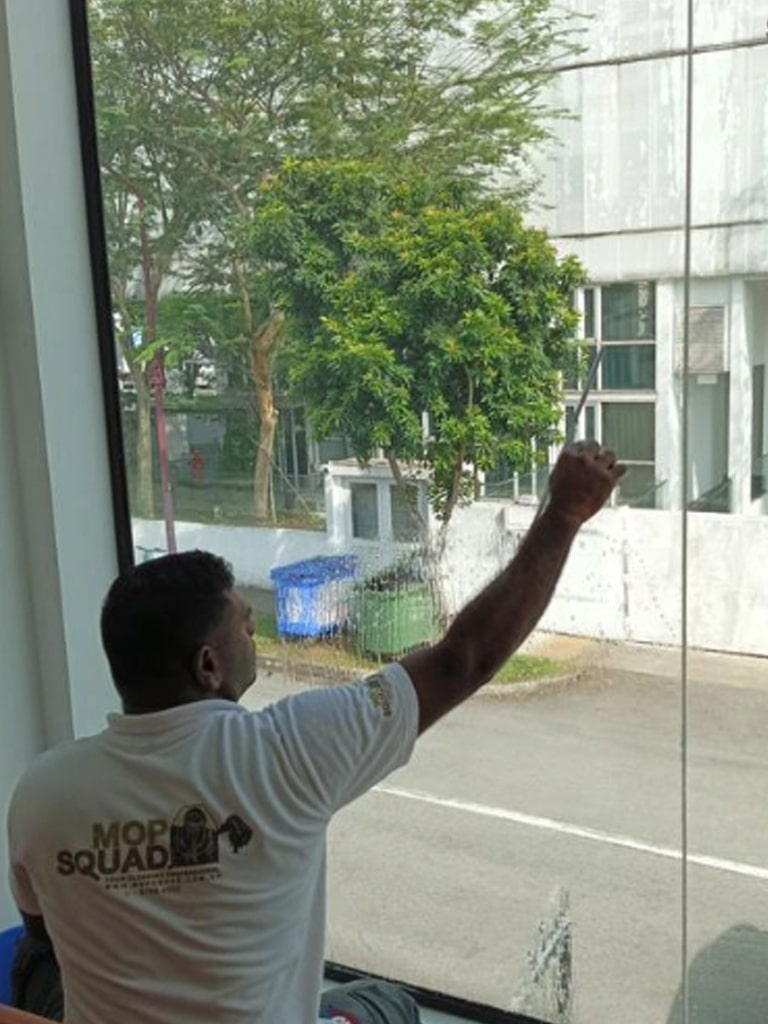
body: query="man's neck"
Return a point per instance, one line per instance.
(166, 703)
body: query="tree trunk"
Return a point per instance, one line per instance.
(263, 344)
(263, 498)
(145, 498)
(153, 378)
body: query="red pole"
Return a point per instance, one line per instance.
(157, 381)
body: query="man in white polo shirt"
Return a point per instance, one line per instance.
(177, 859)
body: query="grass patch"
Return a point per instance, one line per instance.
(525, 668)
(340, 653)
(266, 627)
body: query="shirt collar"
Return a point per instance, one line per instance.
(170, 718)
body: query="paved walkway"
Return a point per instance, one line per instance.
(647, 659)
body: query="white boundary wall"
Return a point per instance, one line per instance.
(622, 580)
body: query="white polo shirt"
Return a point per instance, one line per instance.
(178, 858)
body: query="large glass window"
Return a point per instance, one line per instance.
(307, 320)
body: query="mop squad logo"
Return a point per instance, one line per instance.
(156, 855)
(380, 694)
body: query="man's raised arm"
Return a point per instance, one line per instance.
(494, 624)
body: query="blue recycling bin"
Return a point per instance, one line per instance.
(312, 597)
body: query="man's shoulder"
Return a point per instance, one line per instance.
(62, 757)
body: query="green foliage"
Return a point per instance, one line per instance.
(199, 103)
(408, 296)
(189, 324)
(238, 449)
(449, 84)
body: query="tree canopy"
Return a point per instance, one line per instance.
(199, 103)
(408, 297)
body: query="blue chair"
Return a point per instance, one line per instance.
(9, 940)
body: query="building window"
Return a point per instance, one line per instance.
(628, 312)
(619, 330)
(629, 429)
(758, 431)
(625, 340)
(365, 511)
(404, 505)
(629, 367)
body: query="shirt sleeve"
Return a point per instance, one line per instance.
(340, 741)
(22, 891)
(18, 876)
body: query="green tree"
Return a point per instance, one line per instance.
(449, 86)
(405, 297)
(153, 199)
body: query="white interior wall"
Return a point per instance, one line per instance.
(57, 551)
(21, 724)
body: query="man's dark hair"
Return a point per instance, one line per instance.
(156, 616)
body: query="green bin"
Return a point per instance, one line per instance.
(393, 621)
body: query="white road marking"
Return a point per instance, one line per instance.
(594, 835)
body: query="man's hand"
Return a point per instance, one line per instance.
(582, 480)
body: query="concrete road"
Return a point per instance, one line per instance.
(443, 875)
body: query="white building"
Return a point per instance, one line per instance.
(614, 194)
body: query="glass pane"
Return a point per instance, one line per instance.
(572, 431)
(728, 586)
(627, 367)
(589, 418)
(589, 312)
(284, 318)
(629, 428)
(332, 449)
(578, 366)
(365, 511)
(708, 397)
(406, 523)
(570, 423)
(629, 312)
(758, 432)
(638, 487)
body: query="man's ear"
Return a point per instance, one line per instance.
(207, 669)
